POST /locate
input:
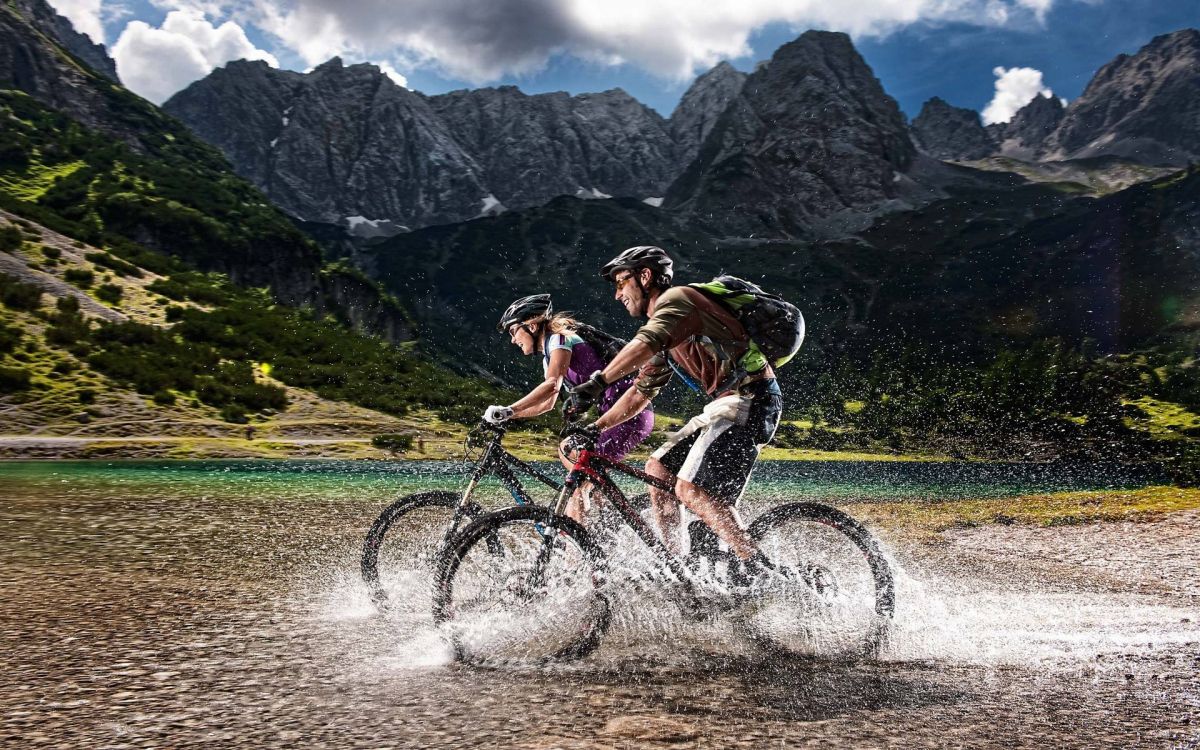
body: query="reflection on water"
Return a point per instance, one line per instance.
(200, 603)
(807, 479)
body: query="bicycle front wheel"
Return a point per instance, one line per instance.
(400, 549)
(539, 600)
(832, 592)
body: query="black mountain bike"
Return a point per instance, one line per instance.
(831, 589)
(409, 534)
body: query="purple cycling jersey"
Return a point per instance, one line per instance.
(616, 441)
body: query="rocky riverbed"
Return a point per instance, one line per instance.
(171, 616)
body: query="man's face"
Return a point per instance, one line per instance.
(519, 334)
(629, 293)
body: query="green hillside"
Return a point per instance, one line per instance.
(77, 324)
(1018, 324)
(179, 198)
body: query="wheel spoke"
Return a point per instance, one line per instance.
(830, 586)
(535, 601)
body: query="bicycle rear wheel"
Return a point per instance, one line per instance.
(538, 601)
(400, 550)
(832, 593)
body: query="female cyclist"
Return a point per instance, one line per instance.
(566, 357)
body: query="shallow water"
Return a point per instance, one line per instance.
(174, 605)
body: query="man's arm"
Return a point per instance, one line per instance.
(672, 322)
(634, 354)
(631, 403)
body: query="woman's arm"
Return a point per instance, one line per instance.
(543, 397)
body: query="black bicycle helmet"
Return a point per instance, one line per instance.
(642, 256)
(533, 306)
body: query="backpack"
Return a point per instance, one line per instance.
(604, 344)
(774, 325)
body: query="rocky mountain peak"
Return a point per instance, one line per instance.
(532, 148)
(701, 105)
(339, 145)
(58, 28)
(332, 64)
(810, 135)
(41, 55)
(1024, 136)
(950, 133)
(1144, 107)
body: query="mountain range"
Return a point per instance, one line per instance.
(803, 176)
(1143, 108)
(90, 159)
(808, 145)
(346, 145)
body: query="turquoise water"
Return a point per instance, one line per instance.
(361, 480)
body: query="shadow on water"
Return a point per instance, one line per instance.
(786, 688)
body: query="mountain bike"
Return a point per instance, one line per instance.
(830, 588)
(409, 534)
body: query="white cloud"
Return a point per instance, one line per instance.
(1039, 7)
(84, 15)
(483, 41)
(156, 63)
(392, 73)
(1015, 87)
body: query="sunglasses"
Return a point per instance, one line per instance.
(620, 281)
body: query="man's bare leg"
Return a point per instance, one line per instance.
(721, 518)
(666, 508)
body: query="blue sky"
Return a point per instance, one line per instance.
(951, 56)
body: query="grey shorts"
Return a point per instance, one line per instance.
(718, 453)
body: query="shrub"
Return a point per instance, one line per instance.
(110, 293)
(67, 326)
(18, 295)
(393, 443)
(164, 398)
(13, 379)
(118, 266)
(190, 285)
(168, 288)
(9, 338)
(80, 277)
(10, 238)
(234, 413)
(53, 253)
(87, 396)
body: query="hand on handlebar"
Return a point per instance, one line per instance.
(578, 437)
(583, 396)
(497, 414)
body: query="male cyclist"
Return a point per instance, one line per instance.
(688, 333)
(534, 328)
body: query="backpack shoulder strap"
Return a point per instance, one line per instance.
(701, 299)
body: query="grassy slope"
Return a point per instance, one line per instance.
(121, 421)
(927, 520)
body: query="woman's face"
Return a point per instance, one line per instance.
(519, 334)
